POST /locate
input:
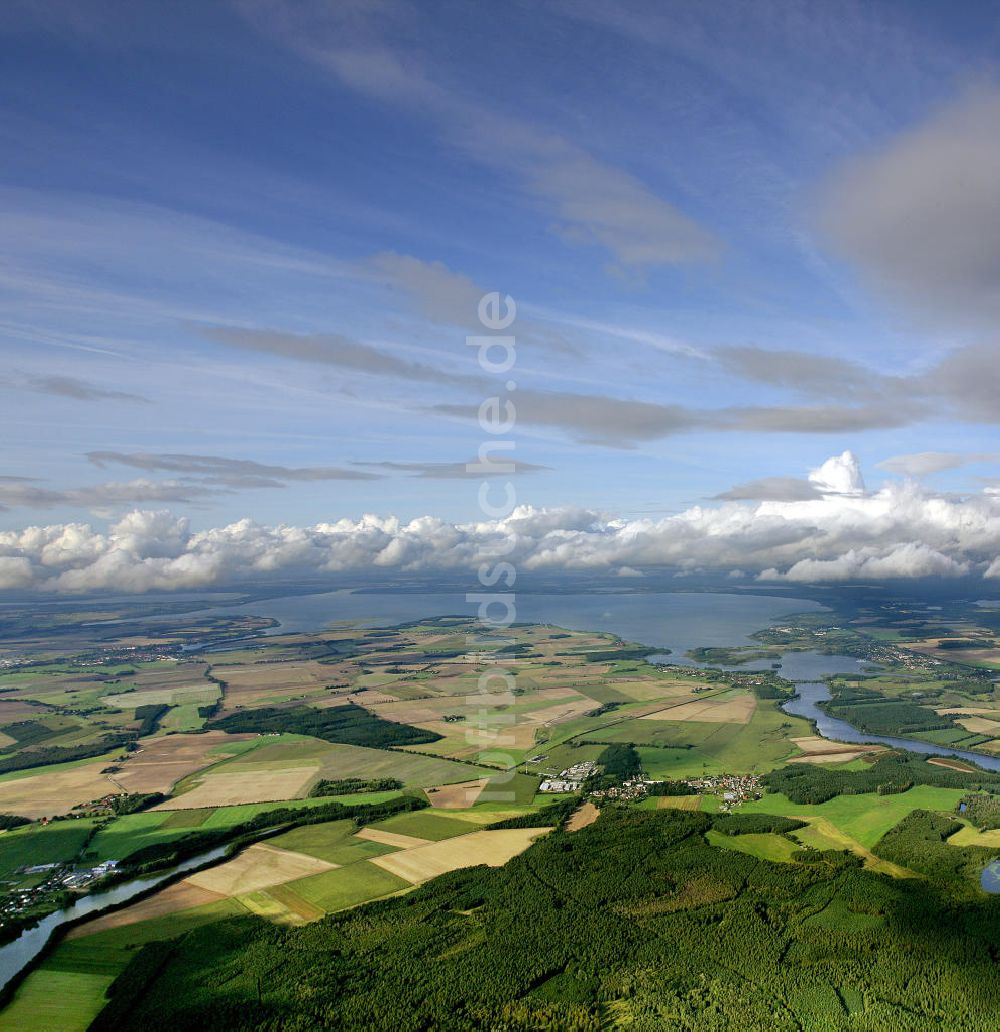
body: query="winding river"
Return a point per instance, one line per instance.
(811, 693)
(22, 951)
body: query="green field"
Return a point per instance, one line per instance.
(865, 818)
(348, 886)
(127, 834)
(333, 842)
(428, 825)
(351, 761)
(764, 847)
(33, 845)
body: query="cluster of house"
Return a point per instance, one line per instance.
(60, 877)
(571, 779)
(78, 879)
(637, 788)
(733, 788)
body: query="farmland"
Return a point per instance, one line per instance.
(251, 733)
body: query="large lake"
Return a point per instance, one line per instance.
(666, 620)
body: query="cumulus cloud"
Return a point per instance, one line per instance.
(840, 474)
(900, 531)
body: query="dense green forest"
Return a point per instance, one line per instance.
(42, 757)
(149, 717)
(982, 810)
(920, 842)
(346, 725)
(891, 773)
(871, 711)
(634, 920)
(349, 786)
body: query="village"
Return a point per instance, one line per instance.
(731, 789)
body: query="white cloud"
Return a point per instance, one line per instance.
(899, 531)
(840, 474)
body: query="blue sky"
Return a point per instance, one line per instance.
(243, 245)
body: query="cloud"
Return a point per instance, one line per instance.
(100, 496)
(334, 350)
(592, 202)
(821, 375)
(230, 472)
(966, 383)
(920, 464)
(594, 418)
(450, 299)
(840, 474)
(921, 215)
(459, 470)
(79, 390)
(900, 531)
(782, 489)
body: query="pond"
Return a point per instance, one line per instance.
(990, 878)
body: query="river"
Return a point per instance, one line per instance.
(810, 694)
(17, 955)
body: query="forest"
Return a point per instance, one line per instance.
(346, 725)
(633, 920)
(893, 772)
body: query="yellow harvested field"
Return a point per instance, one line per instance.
(730, 709)
(974, 837)
(493, 848)
(969, 711)
(390, 838)
(54, 793)
(650, 689)
(245, 786)
(841, 756)
(456, 797)
(822, 750)
(951, 764)
(179, 896)
(249, 684)
(833, 838)
(678, 802)
(583, 817)
(257, 867)
(980, 725)
(161, 762)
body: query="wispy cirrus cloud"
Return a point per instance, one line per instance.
(78, 390)
(498, 464)
(592, 202)
(229, 472)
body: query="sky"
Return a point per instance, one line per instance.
(754, 251)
